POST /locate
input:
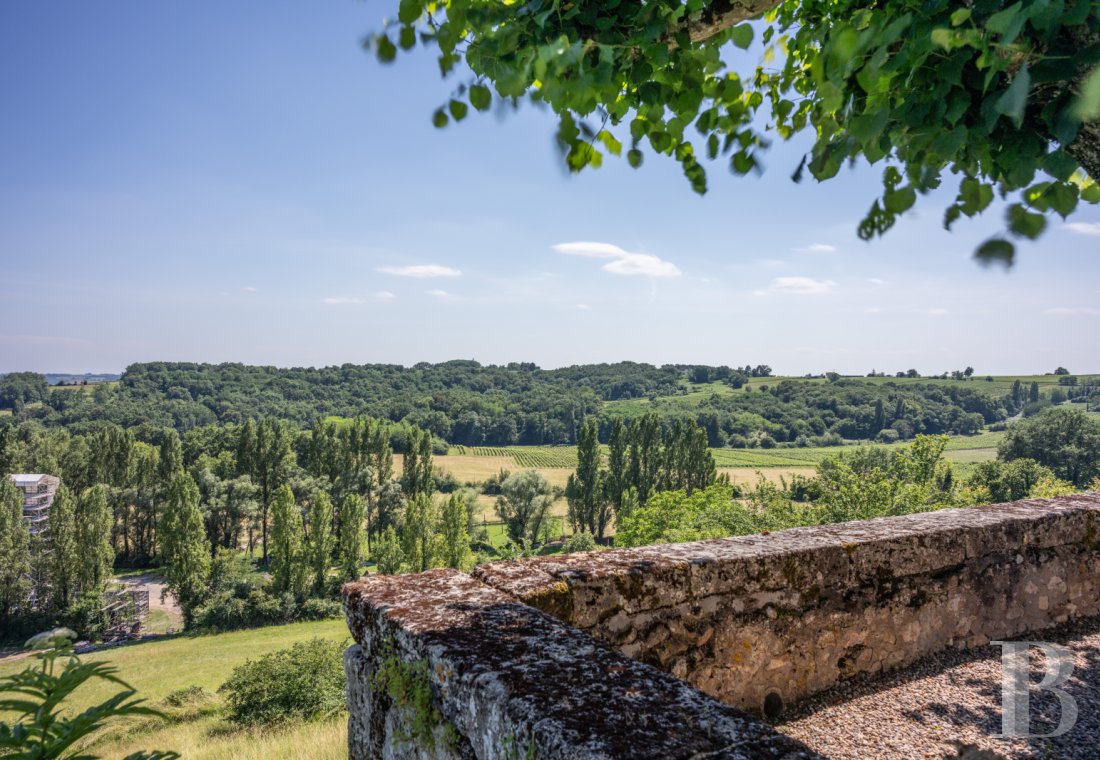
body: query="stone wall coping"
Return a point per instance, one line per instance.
(508, 677)
(886, 547)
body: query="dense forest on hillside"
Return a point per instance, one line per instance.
(464, 402)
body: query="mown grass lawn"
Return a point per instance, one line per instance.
(157, 668)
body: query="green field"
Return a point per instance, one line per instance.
(975, 448)
(695, 393)
(156, 668)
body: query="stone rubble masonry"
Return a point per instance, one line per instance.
(569, 656)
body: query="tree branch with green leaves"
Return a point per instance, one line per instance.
(1004, 96)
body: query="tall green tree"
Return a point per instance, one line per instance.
(645, 455)
(265, 449)
(1033, 394)
(352, 514)
(288, 566)
(64, 556)
(524, 501)
(93, 538)
(387, 553)
(416, 478)
(418, 533)
(1065, 440)
(617, 476)
(583, 489)
(15, 564)
(185, 547)
(453, 532)
(320, 540)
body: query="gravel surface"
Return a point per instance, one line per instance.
(949, 705)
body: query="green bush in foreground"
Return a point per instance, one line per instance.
(36, 696)
(305, 682)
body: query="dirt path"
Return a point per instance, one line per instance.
(159, 602)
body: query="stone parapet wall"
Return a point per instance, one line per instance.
(446, 667)
(793, 612)
(595, 655)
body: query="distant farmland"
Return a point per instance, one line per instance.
(961, 449)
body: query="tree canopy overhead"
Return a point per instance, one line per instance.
(1003, 95)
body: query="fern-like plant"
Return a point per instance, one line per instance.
(42, 731)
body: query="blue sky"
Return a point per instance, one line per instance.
(241, 182)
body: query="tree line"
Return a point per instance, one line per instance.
(465, 403)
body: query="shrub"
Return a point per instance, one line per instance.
(320, 609)
(303, 682)
(579, 542)
(887, 435)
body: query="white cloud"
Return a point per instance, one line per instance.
(817, 248)
(421, 271)
(797, 286)
(1072, 311)
(382, 295)
(1084, 228)
(440, 293)
(343, 300)
(873, 310)
(938, 312)
(876, 281)
(622, 262)
(583, 306)
(249, 289)
(771, 263)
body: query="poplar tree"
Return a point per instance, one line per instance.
(1033, 396)
(264, 452)
(880, 416)
(418, 533)
(169, 464)
(616, 482)
(287, 568)
(14, 552)
(184, 544)
(387, 554)
(645, 455)
(585, 487)
(351, 536)
(454, 536)
(64, 558)
(416, 478)
(93, 541)
(320, 543)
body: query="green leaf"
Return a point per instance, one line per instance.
(439, 118)
(1091, 193)
(1025, 223)
(960, 16)
(409, 11)
(996, 251)
(741, 35)
(614, 147)
(458, 109)
(480, 97)
(1087, 105)
(634, 158)
(742, 162)
(406, 38)
(899, 201)
(385, 49)
(1062, 197)
(1014, 100)
(1001, 22)
(974, 196)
